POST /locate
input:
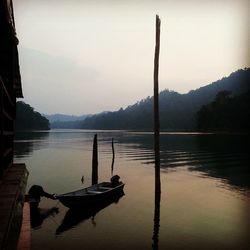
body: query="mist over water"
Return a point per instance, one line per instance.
(205, 189)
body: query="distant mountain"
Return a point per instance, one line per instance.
(64, 118)
(65, 121)
(29, 119)
(178, 112)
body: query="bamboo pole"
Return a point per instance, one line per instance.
(95, 162)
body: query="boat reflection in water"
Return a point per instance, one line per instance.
(38, 215)
(75, 216)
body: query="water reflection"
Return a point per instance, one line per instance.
(27, 142)
(224, 156)
(196, 213)
(38, 215)
(74, 216)
(156, 229)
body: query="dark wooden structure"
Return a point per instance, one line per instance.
(10, 83)
(13, 177)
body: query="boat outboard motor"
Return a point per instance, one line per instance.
(115, 180)
(35, 194)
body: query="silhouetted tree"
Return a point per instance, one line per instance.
(28, 119)
(225, 113)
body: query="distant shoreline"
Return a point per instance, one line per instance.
(135, 131)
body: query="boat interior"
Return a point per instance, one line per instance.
(95, 189)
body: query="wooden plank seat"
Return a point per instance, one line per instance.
(93, 192)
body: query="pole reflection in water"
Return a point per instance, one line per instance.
(75, 216)
(156, 221)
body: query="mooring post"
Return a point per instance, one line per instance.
(113, 158)
(95, 162)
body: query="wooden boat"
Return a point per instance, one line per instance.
(92, 195)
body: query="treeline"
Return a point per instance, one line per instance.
(225, 113)
(178, 112)
(28, 119)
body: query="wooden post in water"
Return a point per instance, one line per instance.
(113, 158)
(95, 162)
(156, 229)
(156, 107)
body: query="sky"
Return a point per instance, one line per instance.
(83, 57)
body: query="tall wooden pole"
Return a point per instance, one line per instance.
(156, 107)
(95, 162)
(156, 229)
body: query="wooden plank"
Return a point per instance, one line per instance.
(12, 191)
(94, 192)
(24, 242)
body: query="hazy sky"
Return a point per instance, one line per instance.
(80, 57)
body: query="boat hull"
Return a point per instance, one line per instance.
(74, 201)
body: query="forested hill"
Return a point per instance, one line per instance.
(226, 113)
(28, 119)
(178, 112)
(61, 121)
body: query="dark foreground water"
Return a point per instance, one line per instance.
(205, 200)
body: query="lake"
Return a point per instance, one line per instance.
(205, 198)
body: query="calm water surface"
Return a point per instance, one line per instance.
(205, 200)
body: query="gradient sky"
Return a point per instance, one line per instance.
(81, 57)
